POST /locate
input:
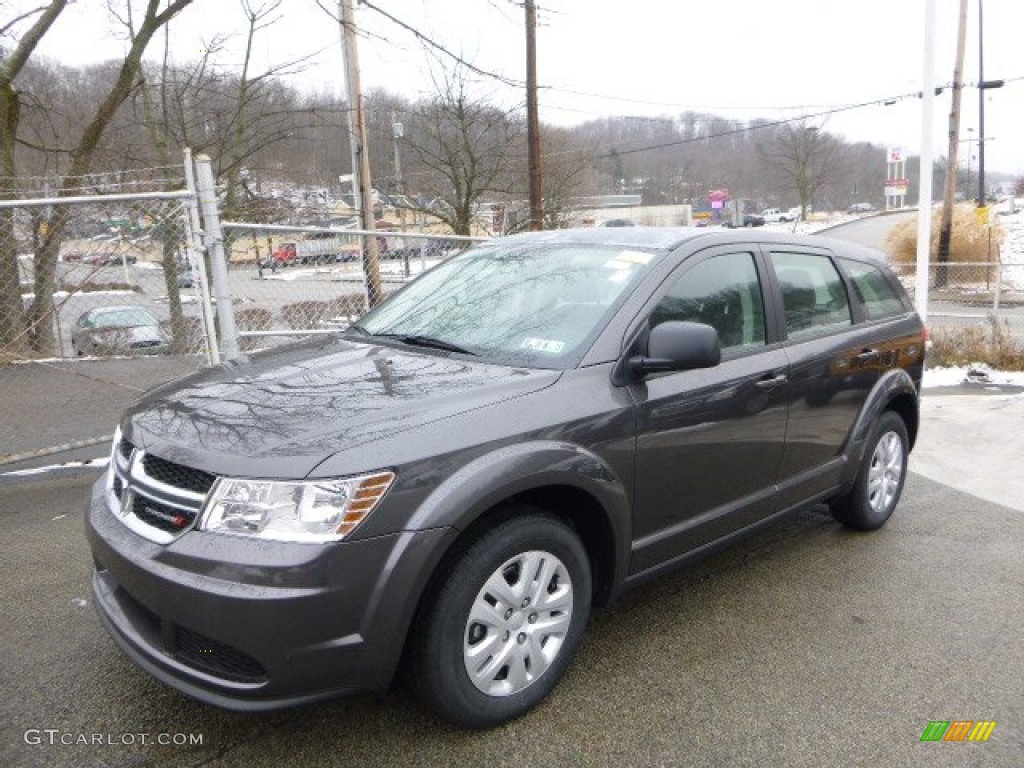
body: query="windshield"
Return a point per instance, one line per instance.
(124, 318)
(535, 305)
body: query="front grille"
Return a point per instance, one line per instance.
(162, 516)
(216, 658)
(163, 496)
(177, 475)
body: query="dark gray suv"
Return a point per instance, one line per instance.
(452, 485)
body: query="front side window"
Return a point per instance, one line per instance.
(537, 305)
(723, 292)
(813, 295)
(875, 292)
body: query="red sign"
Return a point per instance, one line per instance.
(897, 182)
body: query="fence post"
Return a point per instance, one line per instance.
(193, 233)
(999, 283)
(218, 262)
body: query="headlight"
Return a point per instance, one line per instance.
(313, 511)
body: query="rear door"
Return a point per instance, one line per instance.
(830, 354)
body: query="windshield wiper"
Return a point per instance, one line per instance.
(418, 340)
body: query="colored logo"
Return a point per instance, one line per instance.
(958, 730)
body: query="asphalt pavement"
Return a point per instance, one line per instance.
(806, 645)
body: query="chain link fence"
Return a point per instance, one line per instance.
(84, 280)
(290, 281)
(987, 297)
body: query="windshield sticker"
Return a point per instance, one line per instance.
(543, 345)
(636, 257)
(628, 260)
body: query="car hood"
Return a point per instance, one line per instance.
(280, 414)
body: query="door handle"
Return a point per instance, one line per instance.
(866, 356)
(771, 382)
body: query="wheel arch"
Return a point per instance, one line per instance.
(906, 405)
(578, 509)
(562, 479)
(895, 391)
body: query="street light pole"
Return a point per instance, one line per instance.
(398, 132)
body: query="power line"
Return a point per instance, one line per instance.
(745, 129)
(433, 44)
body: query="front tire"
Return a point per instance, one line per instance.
(879, 483)
(499, 632)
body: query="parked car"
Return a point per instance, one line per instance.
(117, 330)
(776, 215)
(106, 258)
(860, 208)
(748, 220)
(451, 485)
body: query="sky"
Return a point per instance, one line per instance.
(740, 59)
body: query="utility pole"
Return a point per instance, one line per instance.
(952, 164)
(532, 122)
(361, 186)
(983, 85)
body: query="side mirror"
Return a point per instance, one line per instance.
(678, 346)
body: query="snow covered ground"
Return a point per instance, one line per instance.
(971, 374)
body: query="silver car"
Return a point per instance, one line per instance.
(117, 330)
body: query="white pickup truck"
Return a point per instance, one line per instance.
(775, 215)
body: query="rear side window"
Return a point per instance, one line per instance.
(879, 297)
(813, 294)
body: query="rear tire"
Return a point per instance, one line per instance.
(495, 637)
(879, 483)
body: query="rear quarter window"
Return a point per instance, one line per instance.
(876, 292)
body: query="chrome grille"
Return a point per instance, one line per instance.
(156, 498)
(177, 475)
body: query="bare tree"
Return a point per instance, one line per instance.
(805, 159)
(12, 320)
(79, 161)
(462, 151)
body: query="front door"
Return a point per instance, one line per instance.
(709, 442)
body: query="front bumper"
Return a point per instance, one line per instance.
(252, 625)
